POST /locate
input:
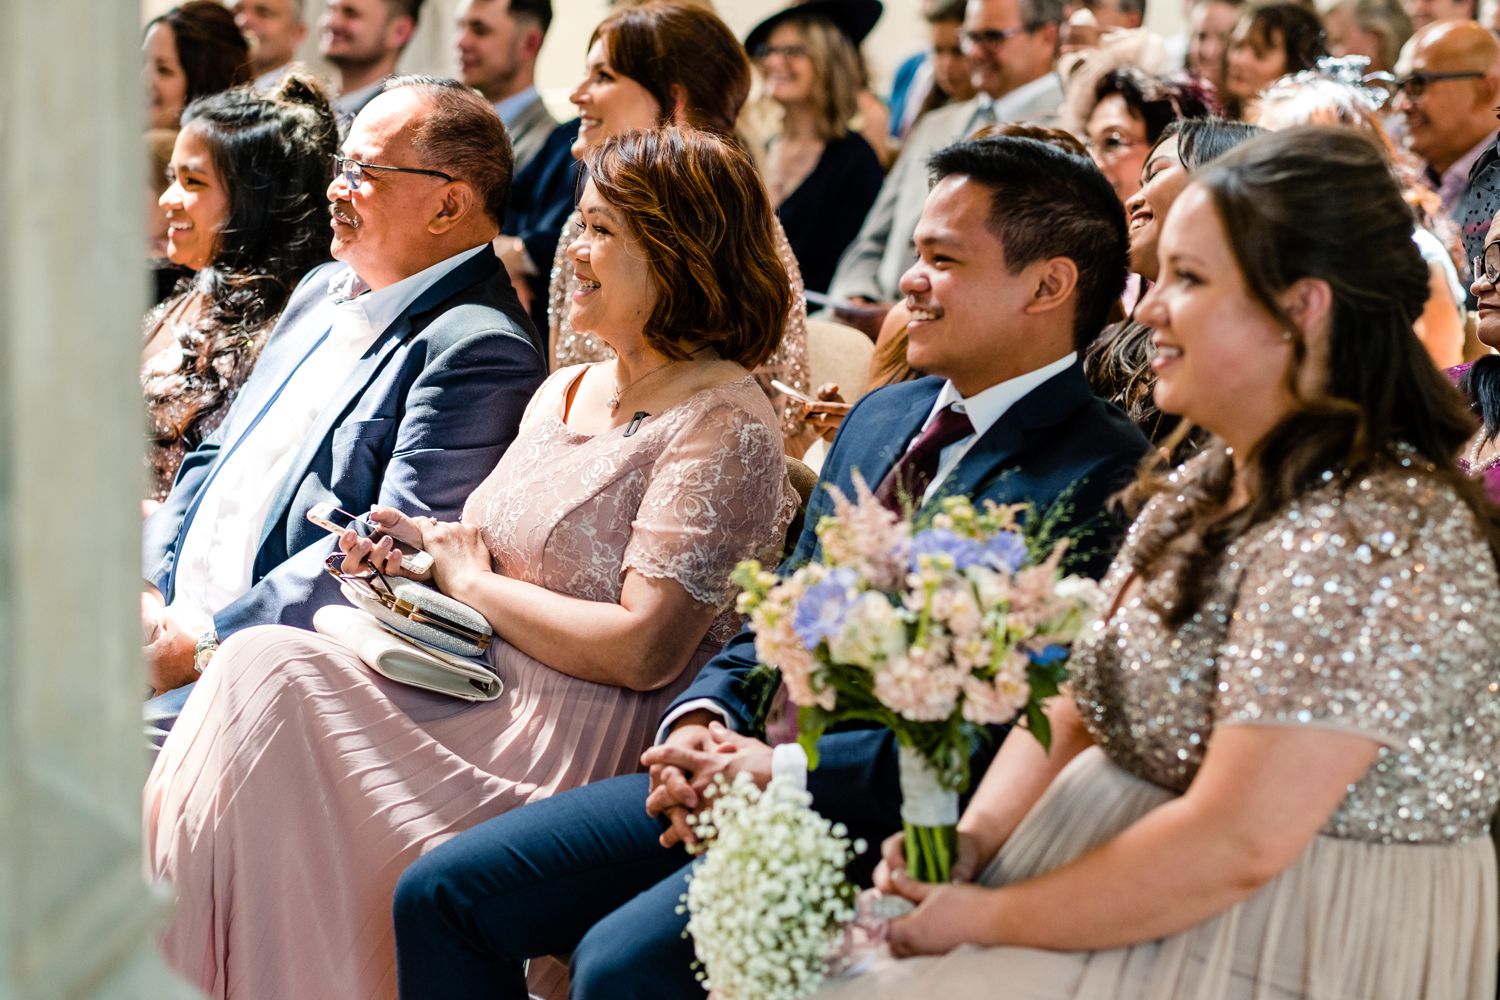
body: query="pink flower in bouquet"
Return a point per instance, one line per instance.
(873, 632)
(921, 686)
(866, 537)
(1000, 700)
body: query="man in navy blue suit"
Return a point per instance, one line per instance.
(1021, 253)
(397, 377)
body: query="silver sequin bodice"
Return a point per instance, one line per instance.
(1372, 609)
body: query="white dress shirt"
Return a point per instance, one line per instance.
(215, 563)
(984, 408)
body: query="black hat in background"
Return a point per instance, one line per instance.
(854, 18)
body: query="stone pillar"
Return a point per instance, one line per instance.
(75, 916)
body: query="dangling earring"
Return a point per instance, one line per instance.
(1286, 335)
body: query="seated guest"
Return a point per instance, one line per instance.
(1119, 364)
(1375, 29)
(1012, 50)
(164, 273)
(1269, 41)
(599, 548)
(363, 40)
(935, 78)
(397, 376)
(1270, 754)
(822, 176)
(1480, 379)
(275, 29)
(1448, 87)
(1312, 99)
(667, 62)
(498, 42)
(191, 51)
(1129, 111)
(1425, 12)
(888, 362)
(1209, 25)
(245, 211)
(1022, 252)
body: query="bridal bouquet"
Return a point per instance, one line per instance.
(768, 906)
(933, 630)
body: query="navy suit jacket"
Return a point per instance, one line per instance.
(424, 416)
(540, 201)
(1059, 440)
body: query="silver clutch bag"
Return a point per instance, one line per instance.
(415, 610)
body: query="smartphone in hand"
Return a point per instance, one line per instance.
(336, 521)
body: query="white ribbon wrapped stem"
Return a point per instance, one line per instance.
(924, 800)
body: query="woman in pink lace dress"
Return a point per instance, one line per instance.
(298, 784)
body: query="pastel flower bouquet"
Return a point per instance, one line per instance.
(932, 627)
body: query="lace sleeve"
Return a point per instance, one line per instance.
(1357, 613)
(718, 494)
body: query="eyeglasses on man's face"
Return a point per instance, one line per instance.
(992, 38)
(353, 171)
(1487, 265)
(1111, 144)
(1414, 85)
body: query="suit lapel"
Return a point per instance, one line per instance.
(1039, 410)
(898, 420)
(470, 272)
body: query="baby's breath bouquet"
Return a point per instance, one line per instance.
(933, 629)
(768, 906)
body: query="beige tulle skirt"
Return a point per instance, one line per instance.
(1348, 921)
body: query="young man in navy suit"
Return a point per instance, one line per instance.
(396, 376)
(1021, 253)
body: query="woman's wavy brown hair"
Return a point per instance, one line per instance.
(696, 204)
(677, 49)
(1319, 202)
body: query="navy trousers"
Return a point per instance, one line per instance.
(580, 872)
(583, 872)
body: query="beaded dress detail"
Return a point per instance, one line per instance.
(1369, 608)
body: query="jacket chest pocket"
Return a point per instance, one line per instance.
(360, 452)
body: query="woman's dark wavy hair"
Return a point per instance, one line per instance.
(1481, 383)
(1292, 204)
(701, 213)
(1118, 363)
(274, 155)
(213, 52)
(1158, 101)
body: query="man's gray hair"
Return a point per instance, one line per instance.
(460, 134)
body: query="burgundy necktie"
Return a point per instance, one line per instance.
(913, 472)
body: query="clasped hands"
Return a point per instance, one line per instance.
(682, 770)
(683, 767)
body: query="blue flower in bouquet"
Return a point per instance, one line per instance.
(1049, 654)
(821, 609)
(1005, 552)
(964, 552)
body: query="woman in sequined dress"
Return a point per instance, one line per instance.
(1276, 773)
(246, 212)
(669, 63)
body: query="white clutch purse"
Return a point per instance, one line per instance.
(405, 660)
